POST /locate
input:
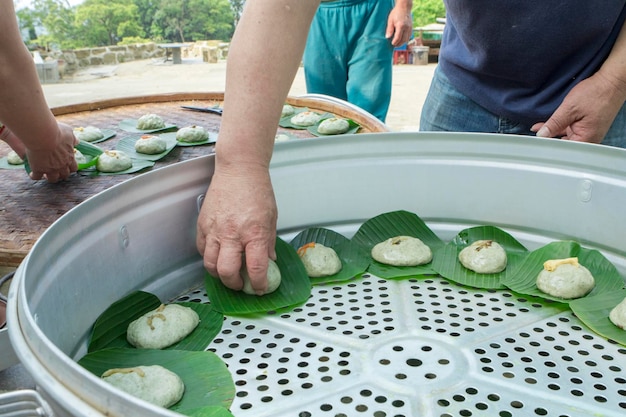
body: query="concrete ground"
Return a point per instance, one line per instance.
(410, 85)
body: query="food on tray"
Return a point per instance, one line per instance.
(333, 126)
(319, 260)
(305, 118)
(192, 134)
(80, 158)
(618, 315)
(565, 278)
(150, 121)
(273, 278)
(162, 327)
(402, 251)
(154, 384)
(88, 133)
(150, 145)
(14, 159)
(113, 161)
(281, 137)
(288, 110)
(484, 257)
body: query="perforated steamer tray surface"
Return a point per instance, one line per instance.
(420, 347)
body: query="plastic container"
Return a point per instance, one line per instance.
(420, 55)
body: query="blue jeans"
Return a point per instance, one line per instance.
(446, 109)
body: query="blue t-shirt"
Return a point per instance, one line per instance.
(519, 58)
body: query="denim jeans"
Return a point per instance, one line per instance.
(446, 109)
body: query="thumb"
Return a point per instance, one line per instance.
(555, 126)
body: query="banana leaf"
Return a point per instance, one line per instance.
(107, 134)
(138, 165)
(208, 382)
(211, 140)
(127, 145)
(110, 328)
(4, 164)
(391, 224)
(354, 127)
(447, 264)
(130, 125)
(523, 277)
(295, 288)
(354, 258)
(286, 121)
(594, 312)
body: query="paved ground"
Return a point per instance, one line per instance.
(410, 85)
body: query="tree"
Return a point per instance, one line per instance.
(51, 21)
(191, 20)
(237, 8)
(105, 22)
(427, 11)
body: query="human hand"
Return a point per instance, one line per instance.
(586, 113)
(238, 216)
(13, 141)
(54, 164)
(399, 26)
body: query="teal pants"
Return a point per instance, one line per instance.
(347, 55)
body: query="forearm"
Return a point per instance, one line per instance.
(264, 57)
(614, 68)
(23, 107)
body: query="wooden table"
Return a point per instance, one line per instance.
(28, 208)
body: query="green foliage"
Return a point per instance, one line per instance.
(427, 11)
(105, 22)
(133, 40)
(56, 24)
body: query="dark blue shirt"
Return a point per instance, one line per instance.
(519, 58)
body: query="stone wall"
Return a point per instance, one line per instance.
(73, 60)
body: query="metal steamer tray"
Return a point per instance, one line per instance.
(367, 347)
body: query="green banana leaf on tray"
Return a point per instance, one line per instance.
(392, 224)
(594, 312)
(4, 164)
(130, 125)
(209, 388)
(446, 261)
(353, 128)
(523, 277)
(127, 145)
(354, 259)
(295, 288)
(106, 135)
(110, 328)
(172, 136)
(287, 123)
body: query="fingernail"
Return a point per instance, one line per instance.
(544, 132)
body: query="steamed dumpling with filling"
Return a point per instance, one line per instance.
(402, 251)
(618, 315)
(305, 118)
(80, 158)
(274, 278)
(192, 134)
(319, 260)
(565, 278)
(154, 384)
(150, 121)
(150, 145)
(14, 159)
(484, 257)
(288, 110)
(160, 328)
(88, 133)
(333, 126)
(113, 161)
